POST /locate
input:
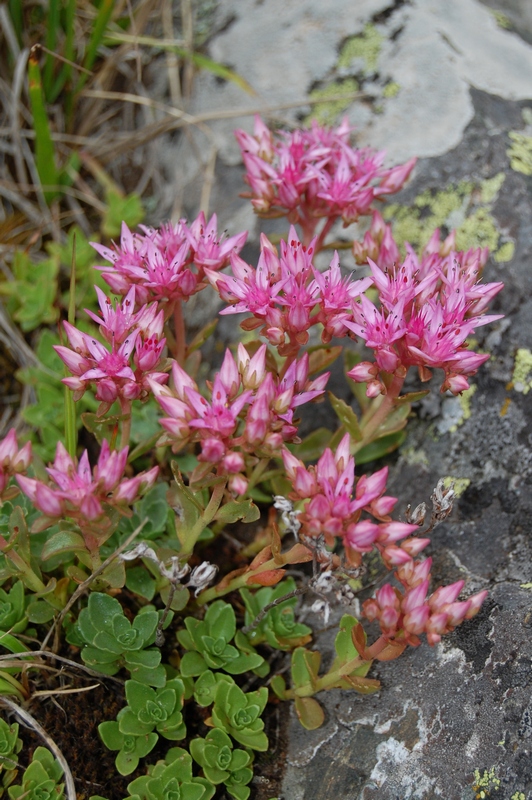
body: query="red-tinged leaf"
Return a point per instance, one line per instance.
(359, 638)
(309, 712)
(391, 651)
(276, 545)
(363, 685)
(412, 397)
(322, 357)
(261, 558)
(268, 578)
(347, 417)
(298, 554)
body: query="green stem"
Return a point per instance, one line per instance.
(179, 329)
(239, 582)
(125, 410)
(257, 472)
(28, 576)
(324, 231)
(190, 537)
(377, 414)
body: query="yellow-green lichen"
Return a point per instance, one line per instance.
(504, 253)
(520, 152)
(491, 187)
(459, 484)
(463, 207)
(391, 89)
(522, 374)
(465, 401)
(518, 796)
(414, 456)
(501, 19)
(485, 783)
(526, 586)
(366, 46)
(327, 111)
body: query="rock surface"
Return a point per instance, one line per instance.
(455, 720)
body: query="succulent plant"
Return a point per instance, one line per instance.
(221, 764)
(110, 641)
(208, 644)
(131, 747)
(150, 709)
(238, 714)
(12, 609)
(171, 779)
(40, 780)
(279, 627)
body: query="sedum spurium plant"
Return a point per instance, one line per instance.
(71, 530)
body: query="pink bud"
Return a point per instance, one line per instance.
(445, 594)
(415, 620)
(363, 372)
(8, 448)
(393, 531)
(233, 462)
(476, 601)
(212, 450)
(455, 384)
(415, 597)
(238, 484)
(47, 501)
(362, 535)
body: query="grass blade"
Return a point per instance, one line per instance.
(199, 60)
(100, 24)
(44, 146)
(53, 23)
(71, 438)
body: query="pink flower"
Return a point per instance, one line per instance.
(81, 494)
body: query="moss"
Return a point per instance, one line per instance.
(366, 46)
(328, 111)
(459, 484)
(522, 374)
(520, 152)
(391, 89)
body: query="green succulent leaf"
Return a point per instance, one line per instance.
(238, 714)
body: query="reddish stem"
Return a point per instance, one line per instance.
(179, 329)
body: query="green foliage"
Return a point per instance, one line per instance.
(208, 643)
(10, 747)
(221, 764)
(279, 627)
(111, 641)
(40, 780)
(206, 685)
(131, 748)
(32, 292)
(150, 709)
(13, 609)
(171, 779)
(238, 714)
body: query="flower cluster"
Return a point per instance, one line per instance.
(287, 295)
(332, 510)
(136, 343)
(250, 410)
(315, 173)
(82, 494)
(428, 307)
(167, 264)
(403, 615)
